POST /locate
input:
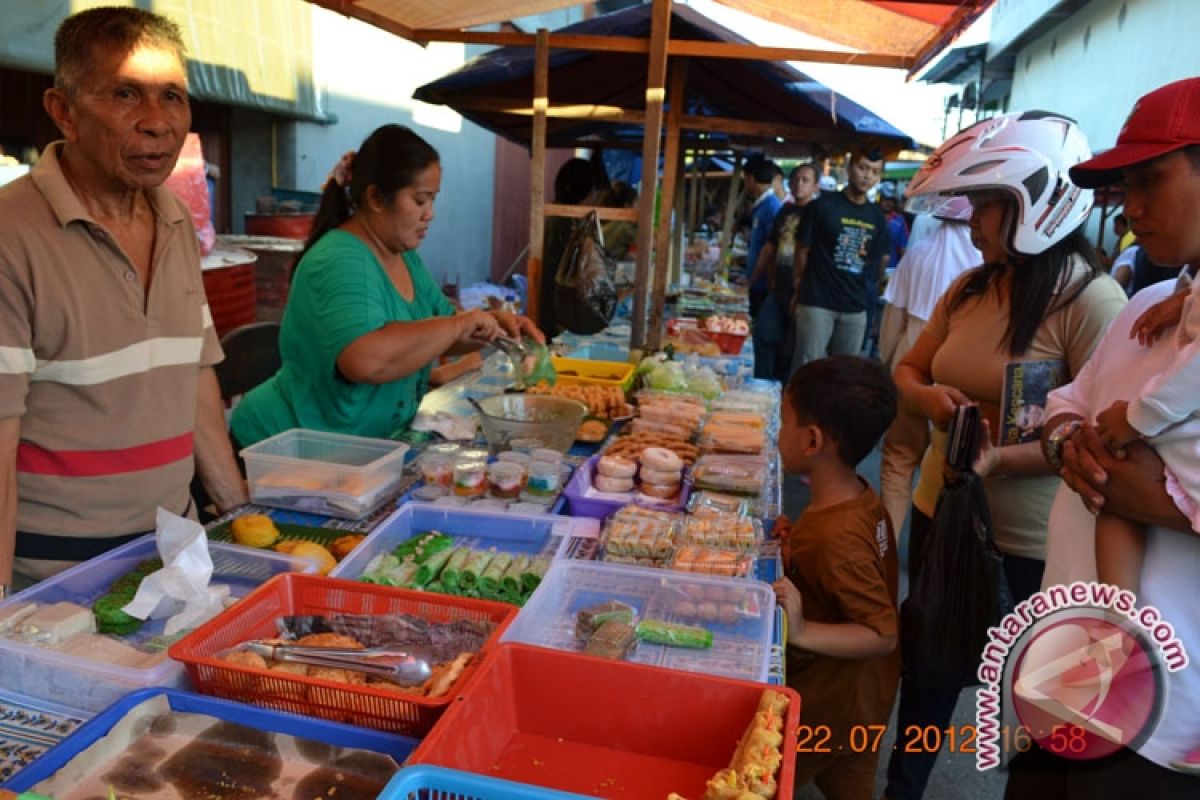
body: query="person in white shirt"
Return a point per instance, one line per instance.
(1158, 157)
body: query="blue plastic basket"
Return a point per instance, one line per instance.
(424, 782)
(398, 747)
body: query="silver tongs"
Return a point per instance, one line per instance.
(397, 666)
(511, 347)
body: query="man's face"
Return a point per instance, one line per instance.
(804, 186)
(128, 116)
(864, 174)
(1162, 204)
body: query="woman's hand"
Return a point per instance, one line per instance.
(1158, 318)
(477, 327)
(515, 326)
(938, 402)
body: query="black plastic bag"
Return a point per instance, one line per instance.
(960, 589)
(585, 296)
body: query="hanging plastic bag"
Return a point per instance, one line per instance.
(189, 181)
(960, 589)
(585, 296)
(539, 367)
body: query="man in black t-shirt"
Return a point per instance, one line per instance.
(840, 248)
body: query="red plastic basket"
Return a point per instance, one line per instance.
(730, 343)
(287, 595)
(619, 730)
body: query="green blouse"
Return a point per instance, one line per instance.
(339, 293)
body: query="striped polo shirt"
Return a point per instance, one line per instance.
(102, 375)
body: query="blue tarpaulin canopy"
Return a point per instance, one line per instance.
(795, 111)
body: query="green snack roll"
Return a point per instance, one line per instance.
(453, 569)
(510, 584)
(476, 564)
(532, 577)
(659, 632)
(400, 575)
(410, 546)
(432, 566)
(111, 619)
(437, 587)
(433, 548)
(489, 581)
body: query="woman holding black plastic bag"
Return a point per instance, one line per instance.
(1002, 337)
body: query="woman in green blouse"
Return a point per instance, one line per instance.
(364, 320)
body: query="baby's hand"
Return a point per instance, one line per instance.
(1158, 318)
(788, 596)
(1112, 425)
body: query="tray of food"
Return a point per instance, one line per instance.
(460, 551)
(163, 743)
(67, 640)
(453, 635)
(523, 482)
(695, 623)
(259, 531)
(632, 731)
(655, 478)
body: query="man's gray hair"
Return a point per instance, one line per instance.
(115, 28)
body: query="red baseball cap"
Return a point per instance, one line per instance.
(1161, 122)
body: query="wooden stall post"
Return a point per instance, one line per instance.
(680, 228)
(735, 192)
(656, 77)
(537, 176)
(663, 242)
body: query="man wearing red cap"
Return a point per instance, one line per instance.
(1157, 158)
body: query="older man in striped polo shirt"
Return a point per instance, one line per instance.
(107, 394)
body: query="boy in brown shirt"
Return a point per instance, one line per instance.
(842, 571)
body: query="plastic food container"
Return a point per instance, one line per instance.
(515, 457)
(545, 479)
(290, 595)
(583, 501)
(329, 733)
(740, 614)
(437, 469)
(723, 529)
(542, 535)
(324, 473)
(470, 478)
(713, 561)
(743, 475)
(91, 684)
(547, 455)
(505, 480)
(578, 724)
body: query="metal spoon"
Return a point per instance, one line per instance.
(397, 666)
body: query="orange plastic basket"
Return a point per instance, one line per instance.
(288, 595)
(614, 729)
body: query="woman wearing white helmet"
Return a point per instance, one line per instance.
(1002, 336)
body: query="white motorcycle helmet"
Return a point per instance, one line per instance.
(1026, 154)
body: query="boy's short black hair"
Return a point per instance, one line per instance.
(762, 168)
(851, 399)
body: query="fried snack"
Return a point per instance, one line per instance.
(725, 785)
(710, 561)
(630, 446)
(592, 430)
(342, 545)
(607, 402)
(439, 684)
(245, 658)
(773, 701)
(254, 530)
(311, 550)
(337, 675)
(330, 640)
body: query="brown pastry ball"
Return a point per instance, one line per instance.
(337, 675)
(707, 612)
(685, 609)
(727, 613)
(245, 658)
(342, 545)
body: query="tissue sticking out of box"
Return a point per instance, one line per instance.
(180, 591)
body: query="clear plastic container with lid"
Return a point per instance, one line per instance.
(505, 480)
(739, 613)
(324, 473)
(544, 482)
(470, 478)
